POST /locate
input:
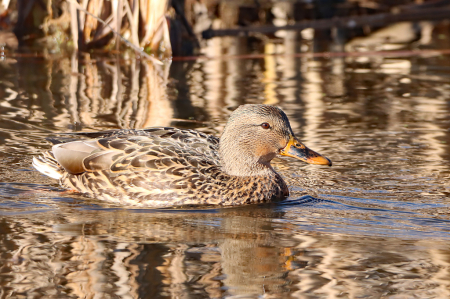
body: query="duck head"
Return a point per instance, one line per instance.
(254, 135)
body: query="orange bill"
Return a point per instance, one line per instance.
(296, 149)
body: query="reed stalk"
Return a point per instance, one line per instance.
(86, 30)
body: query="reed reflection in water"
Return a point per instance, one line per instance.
(379, 227)
(207, 255)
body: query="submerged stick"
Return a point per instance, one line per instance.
(128, 43)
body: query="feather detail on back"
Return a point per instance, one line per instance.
(155, 167)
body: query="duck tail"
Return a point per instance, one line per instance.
(47, 164)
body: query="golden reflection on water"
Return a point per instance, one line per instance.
(383, 121)
(208, 255)
(133, 96)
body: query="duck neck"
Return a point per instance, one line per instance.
(244, 164)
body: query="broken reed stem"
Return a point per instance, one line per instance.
(133, 17)
(74, 23)
(117, 15)
(75, 27)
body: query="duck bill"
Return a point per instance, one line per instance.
(298, 150)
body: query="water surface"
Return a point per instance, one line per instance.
(375, 225)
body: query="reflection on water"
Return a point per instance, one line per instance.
(374, 225)
(208, 254)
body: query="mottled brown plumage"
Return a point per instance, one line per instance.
(164, 167)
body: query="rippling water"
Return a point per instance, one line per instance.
(375, 225)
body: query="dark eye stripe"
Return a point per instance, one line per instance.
(265, 126)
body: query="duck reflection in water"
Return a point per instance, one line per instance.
(151, 254)
(164, 167)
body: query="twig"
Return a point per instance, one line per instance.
(153, 59)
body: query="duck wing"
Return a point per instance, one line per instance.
(154, 164)
(107, 149)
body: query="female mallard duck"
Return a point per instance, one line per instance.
(162, 167)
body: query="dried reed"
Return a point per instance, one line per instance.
(94, 24)
(142, 22)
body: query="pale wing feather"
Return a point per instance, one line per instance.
(71, 155)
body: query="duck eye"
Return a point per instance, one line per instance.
(265, 126)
